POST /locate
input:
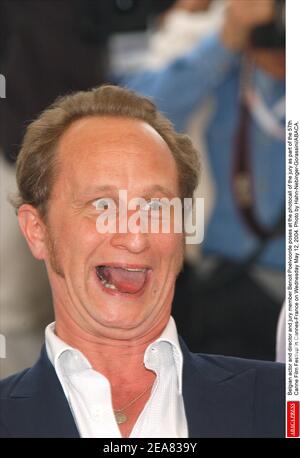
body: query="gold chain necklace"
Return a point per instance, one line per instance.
(120, 416)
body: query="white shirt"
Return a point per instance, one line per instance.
(89, 394)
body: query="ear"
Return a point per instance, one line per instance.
(33, 229)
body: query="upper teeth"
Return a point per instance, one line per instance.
(134, 270)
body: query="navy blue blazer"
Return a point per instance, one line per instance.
(223, 397)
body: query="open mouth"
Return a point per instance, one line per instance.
(130, 280)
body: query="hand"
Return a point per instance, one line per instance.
(241, 17)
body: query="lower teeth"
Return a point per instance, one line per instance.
(108, 285)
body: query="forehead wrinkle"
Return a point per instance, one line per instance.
(146, 191)
(109, 178)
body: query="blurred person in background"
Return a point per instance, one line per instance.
(180, 27)
(233, 300)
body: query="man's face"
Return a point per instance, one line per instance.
(111, 284)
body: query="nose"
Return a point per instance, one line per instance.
(133, 241)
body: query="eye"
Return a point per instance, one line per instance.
(102, 204)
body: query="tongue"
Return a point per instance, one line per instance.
(124, 280)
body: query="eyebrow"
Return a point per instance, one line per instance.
(146, 192)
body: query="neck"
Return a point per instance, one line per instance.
(120, 361)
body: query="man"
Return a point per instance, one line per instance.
(113, 365)
(239, 287)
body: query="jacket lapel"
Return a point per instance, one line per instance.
(218, 402)
(39, 404)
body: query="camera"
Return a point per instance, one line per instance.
(272, 34)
